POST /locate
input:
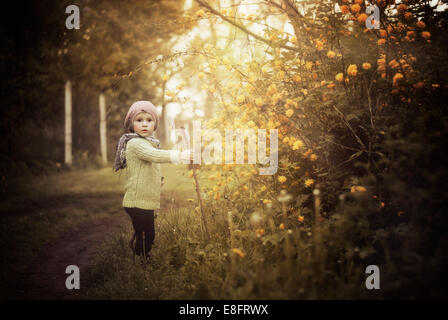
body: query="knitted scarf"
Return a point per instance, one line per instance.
(120, 155)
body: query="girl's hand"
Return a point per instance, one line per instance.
(186, 156)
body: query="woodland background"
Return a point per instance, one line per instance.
(362, 117)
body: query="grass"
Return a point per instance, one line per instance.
(182, 263)
(282, 262)
(39, 210)
(186, 264)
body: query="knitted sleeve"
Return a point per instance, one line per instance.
(145, 151)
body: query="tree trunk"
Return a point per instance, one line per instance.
(162, 131)
(103, 136)
(68, 123)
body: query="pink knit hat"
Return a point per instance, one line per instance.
(136, 108)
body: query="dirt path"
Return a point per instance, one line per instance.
(45, 277)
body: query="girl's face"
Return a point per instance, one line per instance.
(144, 124)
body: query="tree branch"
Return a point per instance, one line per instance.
(351, 129)
(243, 28)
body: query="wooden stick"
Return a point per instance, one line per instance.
(204, 220)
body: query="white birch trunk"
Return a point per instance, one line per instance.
(103, 138)
(68, 123)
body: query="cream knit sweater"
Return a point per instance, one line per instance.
(143, 184)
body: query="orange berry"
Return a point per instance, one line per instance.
(366, 66)
(419, 85)
(426, 34)
(420, 24)
(355, 8)
(339, 77)
(402, 8)
(362, 18)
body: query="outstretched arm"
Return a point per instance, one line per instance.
(145, 151)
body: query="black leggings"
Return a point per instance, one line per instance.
(143, 222)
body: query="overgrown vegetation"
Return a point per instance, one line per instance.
(362, 121)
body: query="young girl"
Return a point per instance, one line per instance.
(139, 152)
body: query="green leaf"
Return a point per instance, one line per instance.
(301, 198)
(357, 154)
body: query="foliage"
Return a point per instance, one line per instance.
(361, 116)
(113, 52)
